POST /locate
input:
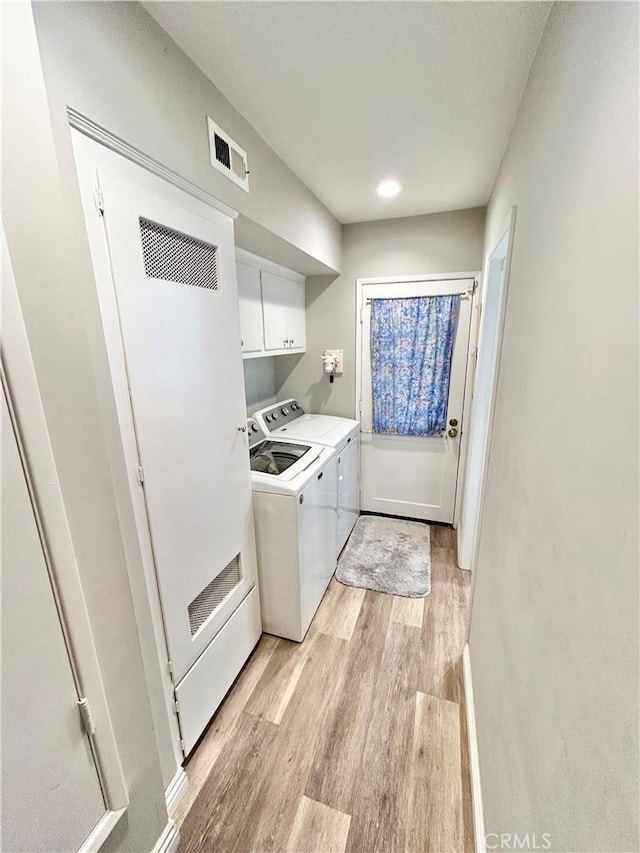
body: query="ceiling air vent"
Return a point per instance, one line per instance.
(227, 156)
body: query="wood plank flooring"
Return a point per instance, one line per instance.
(318, 828)
(354, 740)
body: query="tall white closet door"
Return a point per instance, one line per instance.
(51, 794)
(175, 280)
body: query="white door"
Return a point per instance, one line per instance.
(175, 281)
(51, 794)
(411, 475)
(250, 304)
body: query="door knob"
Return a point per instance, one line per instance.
(452, 432)
(453, 422)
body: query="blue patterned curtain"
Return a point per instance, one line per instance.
(411, 348)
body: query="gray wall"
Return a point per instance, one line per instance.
(554, 633)
(259, 382)
(438, 243)
(55, 283)
(112, 62)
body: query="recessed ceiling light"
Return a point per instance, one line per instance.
(388, 188)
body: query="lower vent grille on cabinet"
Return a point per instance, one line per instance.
(212, 596)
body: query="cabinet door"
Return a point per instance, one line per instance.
(250, 303)
(276, 297)
(348, 490)
(296, 322)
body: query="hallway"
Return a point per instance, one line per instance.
(353, 740)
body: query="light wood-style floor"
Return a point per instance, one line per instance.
(353, 740)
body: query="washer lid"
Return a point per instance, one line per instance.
(297, 476)
(274, 456)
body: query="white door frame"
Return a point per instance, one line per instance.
(401, 279)
(497, 269)
(19, 380)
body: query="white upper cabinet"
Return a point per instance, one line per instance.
(272, 307)
(283, 312)
(250, 301)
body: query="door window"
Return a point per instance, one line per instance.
(411, 349)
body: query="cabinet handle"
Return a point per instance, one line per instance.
(321, 475)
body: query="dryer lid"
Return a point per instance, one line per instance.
(323, 429)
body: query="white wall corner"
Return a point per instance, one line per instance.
(176, 790)
(169, 840)
(474, 760)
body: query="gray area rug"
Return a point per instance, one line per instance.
(388, 555)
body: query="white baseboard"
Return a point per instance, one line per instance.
(474, 760)
(169, 840)
(176, 790)
(102, 831)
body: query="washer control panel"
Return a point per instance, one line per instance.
(283, 413)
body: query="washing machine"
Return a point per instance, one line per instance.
(287, 419)
(295, 499)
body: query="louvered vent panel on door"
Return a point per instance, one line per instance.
(174, 256)
(212, 596)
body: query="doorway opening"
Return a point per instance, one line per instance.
(497, 267)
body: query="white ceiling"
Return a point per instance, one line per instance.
(350, 93)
